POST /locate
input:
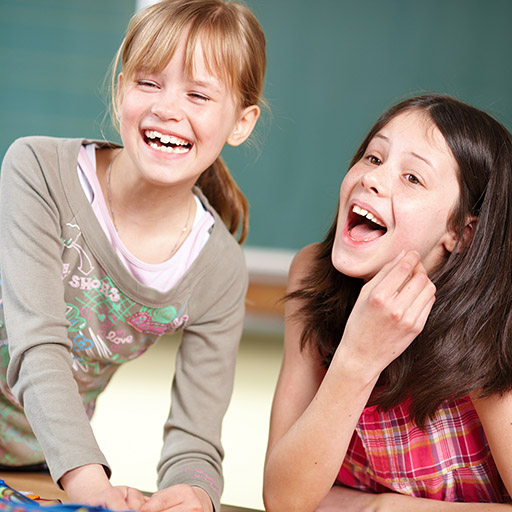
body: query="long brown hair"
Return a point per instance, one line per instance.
(466, 344)
(234, 42)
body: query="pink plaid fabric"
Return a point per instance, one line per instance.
(449, 461)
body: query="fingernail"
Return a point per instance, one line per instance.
(400, 256)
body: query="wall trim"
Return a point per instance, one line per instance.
(270, 265)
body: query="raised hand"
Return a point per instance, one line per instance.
(389, 313)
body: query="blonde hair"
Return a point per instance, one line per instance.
(234, 43)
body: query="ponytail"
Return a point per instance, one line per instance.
(227, 199)
(233, 44)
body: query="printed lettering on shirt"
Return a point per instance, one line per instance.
(119, 337)
(201, 475)
(92, 283)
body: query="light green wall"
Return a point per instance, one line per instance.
(334, 65)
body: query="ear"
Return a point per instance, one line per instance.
(467, 235)
(244, 126)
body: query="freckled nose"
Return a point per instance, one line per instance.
(375, 181)
(369, 181)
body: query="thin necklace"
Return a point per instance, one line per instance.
(109, 195)
(109, 171)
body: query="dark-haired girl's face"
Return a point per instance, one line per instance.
(399, 196)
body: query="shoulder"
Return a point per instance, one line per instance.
(25, 146)
(38, 143)
(225, 251)
(301, 266)
(40, 150)
(495, 414)
(222, 250)
(44, 146)
(219, 274)
(218, 281)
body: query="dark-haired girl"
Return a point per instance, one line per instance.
(395, 387)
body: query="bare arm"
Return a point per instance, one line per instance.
(314, 413)
(495, 413)
(350, 500)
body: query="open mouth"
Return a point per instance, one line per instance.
(364, 226)
(166, 143)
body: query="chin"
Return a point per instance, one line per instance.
(343, 267)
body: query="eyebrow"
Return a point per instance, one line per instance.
(426, 160)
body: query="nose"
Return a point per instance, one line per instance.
(376, 181)
(167, 108)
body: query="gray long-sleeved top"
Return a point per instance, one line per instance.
(66, 296)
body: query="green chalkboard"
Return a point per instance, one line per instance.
(334, 65)
(54, 56)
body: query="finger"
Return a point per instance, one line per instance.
(416, 299)
(134, 498)
(387, 267)
(123, 498)
(114, 502)
(178, 498)
(162, 500)
(416, 282)
(394, 275)
(422, 318)
(404, 269)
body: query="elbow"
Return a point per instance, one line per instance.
(273, 503)
(269, 500)
(277, 505)
(272, 499)
(284, 490)
(279, 501)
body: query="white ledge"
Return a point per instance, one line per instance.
(268, 264)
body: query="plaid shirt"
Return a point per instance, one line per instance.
(450, 460)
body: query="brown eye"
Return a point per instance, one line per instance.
(374, 160)
(412, 179)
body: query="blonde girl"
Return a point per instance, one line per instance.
(105, 248)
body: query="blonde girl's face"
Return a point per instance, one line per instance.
(173, 125)
(399, 196)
